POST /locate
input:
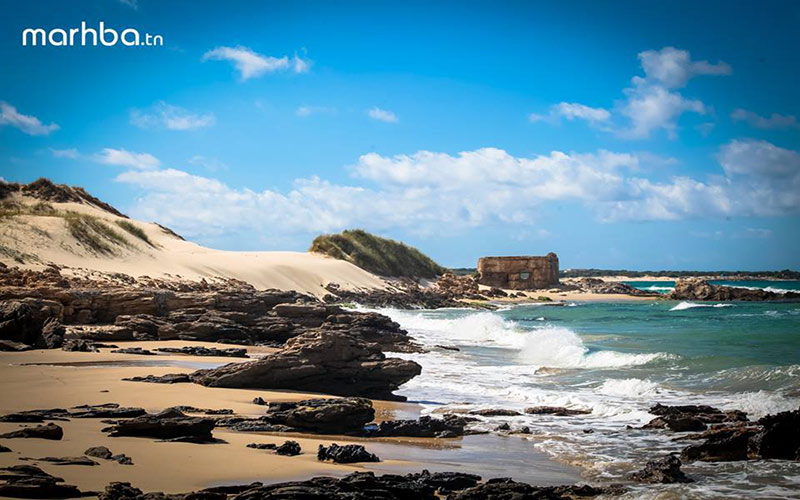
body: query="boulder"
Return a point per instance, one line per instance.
(48, 431)
(664, 471)
(347, 454)
(779, 437)
(288, 448)
(28, 481)
(327, 416)
(31, 321)
(448, 426)
(319, 361)
(170, 424)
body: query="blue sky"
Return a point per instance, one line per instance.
(635, 135)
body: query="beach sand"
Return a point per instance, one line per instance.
(57, 379)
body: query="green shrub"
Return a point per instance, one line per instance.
(135, 231)
(544, 298)
(377, 255)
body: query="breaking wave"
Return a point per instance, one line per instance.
(691, 305)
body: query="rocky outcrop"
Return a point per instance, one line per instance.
(106, 454)
(31, 321)
(597, 285)
(49, 431)
(28, 481)
(448, 426)
(691, 418)
(289, 449)
(557, 411)
(325, 416)
(506, 488)
(170, 424)
(664, 471)
(347, 454)
(319, 361)
(231, 352)
(700, 289)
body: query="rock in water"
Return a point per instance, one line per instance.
(664, 471)
(700, 289)
(448, 426)
(347, 454)
(780, 437)
(328, 416)
(169, 424)
(50, 431)
(319, 361)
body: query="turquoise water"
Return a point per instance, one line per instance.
(617, 360)
(773, 286)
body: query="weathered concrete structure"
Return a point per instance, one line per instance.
(519, 273)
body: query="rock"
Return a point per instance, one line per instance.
(677, 423)
(558, 411)
(79, 345)
(11, 346)
(445, 482)
(780, 437)
(170, 378)
(723, 446)
(684, 418)
(170, 424)
(448, 426)
(347, 454)
(207, 411)
(134, 350)
(31, 321)
(495, 412)
(49, 431)
(258, 400)
(700, 289)
(503, 427)
(288, 448)
(99, 452)
(262, 446)
(121, 491)
(65, 460)
(35, 416)
(664, 471)
(122, 459)
(598, 285)
(319, 361)
(107, 410)
(28, 481)
(205, 351)
(327, 416)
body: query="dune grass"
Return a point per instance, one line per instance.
(377, 255)
(135, 231)
(94, 233)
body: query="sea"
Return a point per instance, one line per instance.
(617, 359)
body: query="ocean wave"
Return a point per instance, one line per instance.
(629, 388)
(656, 288)
(691, 305)
(559, 347)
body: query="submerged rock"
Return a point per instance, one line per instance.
(319, 361)
(665, 471)
(347, 454)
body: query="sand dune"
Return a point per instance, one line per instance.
(35, 237)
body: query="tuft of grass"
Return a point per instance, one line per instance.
(11, 209)
(135, 231)
(377, 255)
(93, 233)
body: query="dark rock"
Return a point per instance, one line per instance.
(207, 411)
(598, 285)
(319, 361)
(495, 412)
(122, 459)
(258, 400)
(11, 346)
(65, 460)
(723, 446)
(448, 426)
(780, 437)
(169, 424)
(36, 416)
(262, 446)
(99, 452)
(28, 481)
(664, 471)
(347, 454)
(558, 411)
(4, 449)
(677, 423)
(503, 427)
(121, 491)
(107, 410)
(205, 351)
(134, 350)
(288, 448)
(328, 416)
(79, 345)
(49, 431)
(31, 321)
(170, 378)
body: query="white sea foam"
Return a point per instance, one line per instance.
(691, 305)
(629, 387)
(559, 347)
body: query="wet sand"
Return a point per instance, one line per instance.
(57, 379)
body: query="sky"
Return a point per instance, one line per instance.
(623, 135)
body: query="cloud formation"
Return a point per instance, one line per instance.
(25, 123)
(382, 115)
(164, 115)
(251, 64)
(123, 158)
(573, 111)
(774, 121)
(429, 192)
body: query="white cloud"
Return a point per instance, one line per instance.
(70, 153)
(251, 64)
(26, 123)
(123, 158)
(304, 111)
(382, 115)
(171, 117)
(772, 122)
(672, 68)
(211, 164)
(572, 111)
(652, 107)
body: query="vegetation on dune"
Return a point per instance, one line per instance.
(11, 209)
(135, 231)
(93, 233)
(377, 255)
